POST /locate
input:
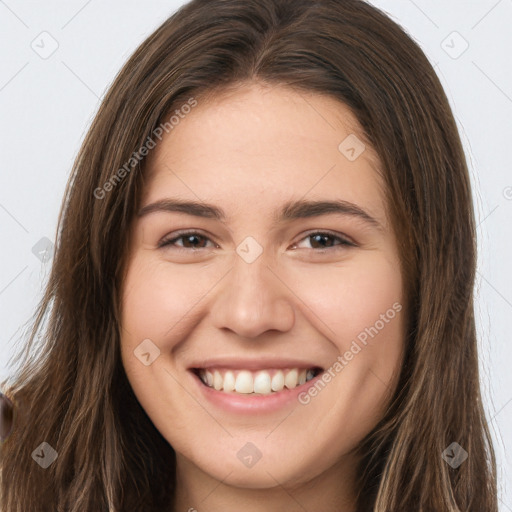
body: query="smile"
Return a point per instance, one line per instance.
(260, 382)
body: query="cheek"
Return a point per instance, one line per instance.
(350, 298)
(358, 308)
(158, 296)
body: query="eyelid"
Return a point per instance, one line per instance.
(346, 240)
(173, 237)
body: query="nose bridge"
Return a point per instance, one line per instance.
(252, 299)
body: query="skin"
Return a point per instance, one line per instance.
(248, 151)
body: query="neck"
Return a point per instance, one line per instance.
(331, 491)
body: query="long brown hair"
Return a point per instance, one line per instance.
(71, 390)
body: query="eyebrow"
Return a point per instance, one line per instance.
(292, 210)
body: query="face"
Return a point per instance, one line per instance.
(289, 263)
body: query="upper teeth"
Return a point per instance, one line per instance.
(261, 381)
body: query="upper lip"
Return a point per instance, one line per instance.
(260, 363)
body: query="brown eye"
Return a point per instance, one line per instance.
(325, 240)
(191, 240)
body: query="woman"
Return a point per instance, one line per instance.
(260, 369)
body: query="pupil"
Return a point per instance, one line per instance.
(319, 239)
(191, 238)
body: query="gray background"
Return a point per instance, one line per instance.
(47, 101)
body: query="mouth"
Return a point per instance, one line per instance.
(255, 382)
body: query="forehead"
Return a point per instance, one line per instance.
(259, 145)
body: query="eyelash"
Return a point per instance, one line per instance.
(168, 242)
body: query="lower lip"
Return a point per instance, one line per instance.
(256, 404)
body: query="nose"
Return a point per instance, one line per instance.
(253, 299)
